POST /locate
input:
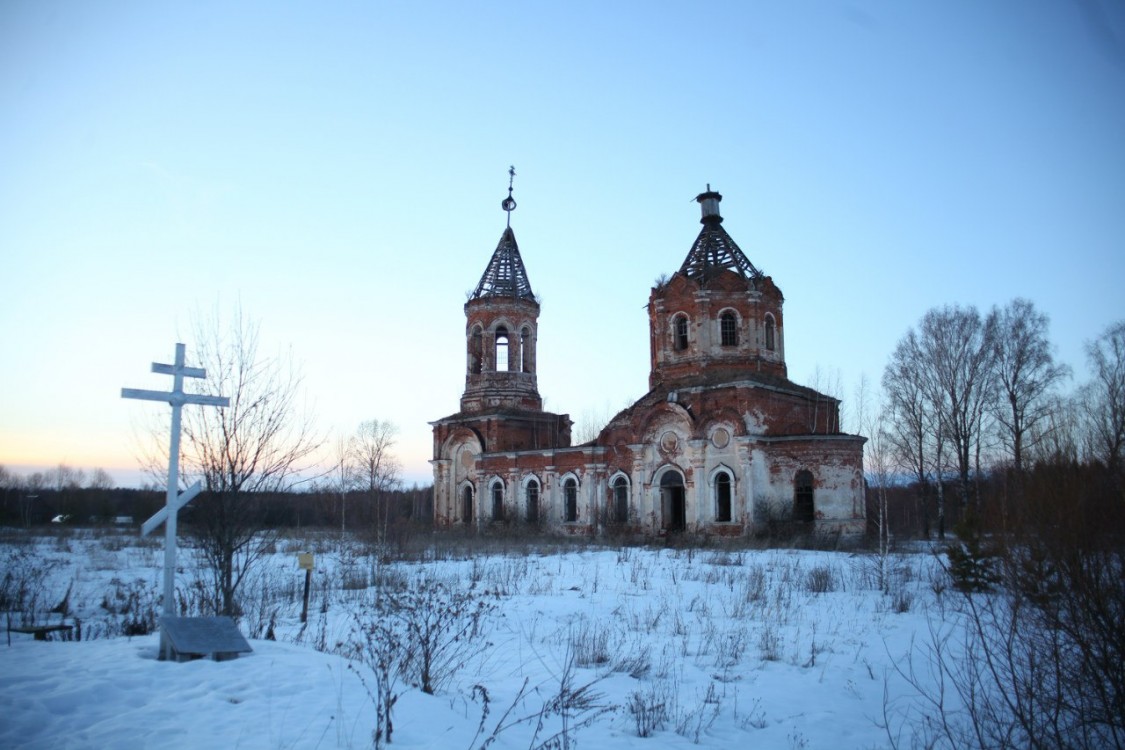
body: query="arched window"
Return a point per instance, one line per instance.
(570, 497)
(497, 500)
(467, 504)
(525, 350)
(680, 332)
(771, 344)
(621, 500)
(501, 349)
(533, 501)
(804, 509)
(722, 497)
(728, 328)
(476, 350)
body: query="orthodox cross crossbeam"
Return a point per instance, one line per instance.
(174, 500)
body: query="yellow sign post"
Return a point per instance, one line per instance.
(305, 563)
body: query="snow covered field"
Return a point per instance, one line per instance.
(692, 647)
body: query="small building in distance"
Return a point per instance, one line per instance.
(723, 444)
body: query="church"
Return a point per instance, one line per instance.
(723, 444)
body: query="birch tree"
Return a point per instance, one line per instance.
(1103, 398)
(375, 466)
(957, 348)
(1026, 376)
(911, 424)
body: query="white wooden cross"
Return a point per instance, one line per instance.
(175, 500)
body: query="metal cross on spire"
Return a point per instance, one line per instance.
(175, 499)
(509, 204)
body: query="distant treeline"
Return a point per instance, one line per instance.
(83, 506)
(1088, 492)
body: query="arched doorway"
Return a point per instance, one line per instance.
(620, 500)
(672, 501)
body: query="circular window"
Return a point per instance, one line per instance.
(669, 441)
(720, 438)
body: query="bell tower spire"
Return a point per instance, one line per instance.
(509, 204)
(502, 322)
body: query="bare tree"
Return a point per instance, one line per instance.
(940, 386)
(911, 423)
(1103, 398)
(100, 480)
(1056, 439)
(592, 421)
(375, 463)
(342, 478)
(63, 477)
(257, 445)
(826, 383)
(1026, 374)
(878, 458)
(375, 466)
(957, 347)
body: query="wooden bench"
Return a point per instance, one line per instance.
(40, 631)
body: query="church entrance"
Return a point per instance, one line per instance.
(672, 502)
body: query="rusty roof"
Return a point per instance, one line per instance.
(505, 275)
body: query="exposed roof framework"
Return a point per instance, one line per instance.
(505, 275)
(714, 251)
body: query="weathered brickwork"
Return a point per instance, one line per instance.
(723, 443)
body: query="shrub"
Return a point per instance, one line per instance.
(820, 580)
(649, 709)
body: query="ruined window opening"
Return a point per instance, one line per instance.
(728, 327)
(467, 504)
(722, 497)
(497, 501)
(533, 502)
(620, 500)
(502, 349)
(680, 325)
(525, 351)
(804, 508)
(770, 343)
(570, 495)
(476, 350)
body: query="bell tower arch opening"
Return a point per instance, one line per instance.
(503, 349)
(526, 359)
(476, 351)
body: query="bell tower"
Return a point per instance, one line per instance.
(502, 319)
(501, 409)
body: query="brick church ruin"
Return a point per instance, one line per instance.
(722, 444)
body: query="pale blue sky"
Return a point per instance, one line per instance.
(338, 167)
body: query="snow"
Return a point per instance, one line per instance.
(115, 694)
(737, 645)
